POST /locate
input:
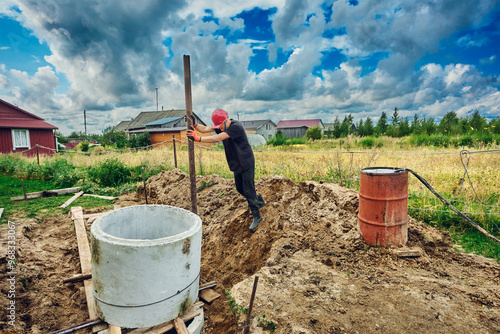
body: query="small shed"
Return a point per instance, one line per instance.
(265, 128)
(21, 131)
(298, 128)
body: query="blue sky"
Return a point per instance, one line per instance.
(286, 59)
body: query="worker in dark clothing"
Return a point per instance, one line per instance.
(239, 156)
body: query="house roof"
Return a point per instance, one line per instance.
(299, 123)
(177, 129)
(146, 117)
(21, 119)
(122, 126)
(163, 121)
(255, 124)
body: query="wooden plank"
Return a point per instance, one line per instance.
(72, 199)
(1, 211)
(180, 326)
(114, 330)
(85, 258)
(100, 196)
(412, 253)
(208, 285)
(40, 193)
(209, 295)
(193, 311)
(94, 215)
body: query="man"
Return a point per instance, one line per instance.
(239, 156)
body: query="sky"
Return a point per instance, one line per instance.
(260, 59)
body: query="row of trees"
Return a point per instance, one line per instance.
(110, 137)
(450, 124)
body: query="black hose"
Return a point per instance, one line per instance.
(479, 228)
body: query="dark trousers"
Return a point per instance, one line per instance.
(245, 184)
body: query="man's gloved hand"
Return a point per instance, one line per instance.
(193, 119)
(191, 134)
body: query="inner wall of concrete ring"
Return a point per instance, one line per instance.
(145, 264)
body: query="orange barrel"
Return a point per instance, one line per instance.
(383, 206)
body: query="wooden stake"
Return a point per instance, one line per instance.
(175, 152)
(24, 191)
(77, 278)
(189, 113)
(37, 155)
(247, 323)
(144, 182)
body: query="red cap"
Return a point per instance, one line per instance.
(218, 117)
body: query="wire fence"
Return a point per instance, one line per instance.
(448, 171)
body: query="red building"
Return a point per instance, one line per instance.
(21, 131)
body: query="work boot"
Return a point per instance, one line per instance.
(260, 201)
(256, 219)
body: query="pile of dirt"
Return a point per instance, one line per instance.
(316, 274)
(46, 253)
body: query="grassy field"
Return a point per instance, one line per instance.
(469, 179)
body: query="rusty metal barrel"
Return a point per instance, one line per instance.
(383, 206)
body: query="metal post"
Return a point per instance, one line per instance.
(144, 182)
(175, 152)
(189, 113)
(247, 323)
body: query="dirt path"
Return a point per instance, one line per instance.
(316, 273)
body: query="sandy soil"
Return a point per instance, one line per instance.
(316, 274)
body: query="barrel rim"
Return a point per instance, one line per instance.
(98, 233)
(397, 171)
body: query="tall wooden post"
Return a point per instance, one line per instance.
(37, 155)
(189, 124)
(175, 152)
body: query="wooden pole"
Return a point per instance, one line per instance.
(144, 182)
(175, 153)
(37, 155)
(189, 113)
(24, 189)
(77, 278)
(247, 323)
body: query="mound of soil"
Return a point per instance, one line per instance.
(316, 274)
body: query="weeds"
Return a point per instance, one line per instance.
(266, 324)
(234, 308)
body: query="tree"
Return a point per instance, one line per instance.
(416, 125)
(449, 125)
(112, 137)
(314, 132)
(477, 122)
(404, 128)
(381, 127)
(337, 131)
(369, 129)
(360, 129)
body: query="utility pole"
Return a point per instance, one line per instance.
(85, 122)
(156, 89)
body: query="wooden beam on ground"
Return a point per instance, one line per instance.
(114, 330)
(209, 295)
(191, 313)
(78, 327)
(39, 194)
(180, 326)
(412, 253)
(77, 278)
(95, 215)
(85, 258)
(208, 285)
(72, 199)
(100, 196)
(1, 211)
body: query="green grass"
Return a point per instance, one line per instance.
(39, 207)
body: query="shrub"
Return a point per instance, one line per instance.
(110, 173)
(465, 140)
(314, 133)
(367, 142)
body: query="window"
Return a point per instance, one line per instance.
(21, 138)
